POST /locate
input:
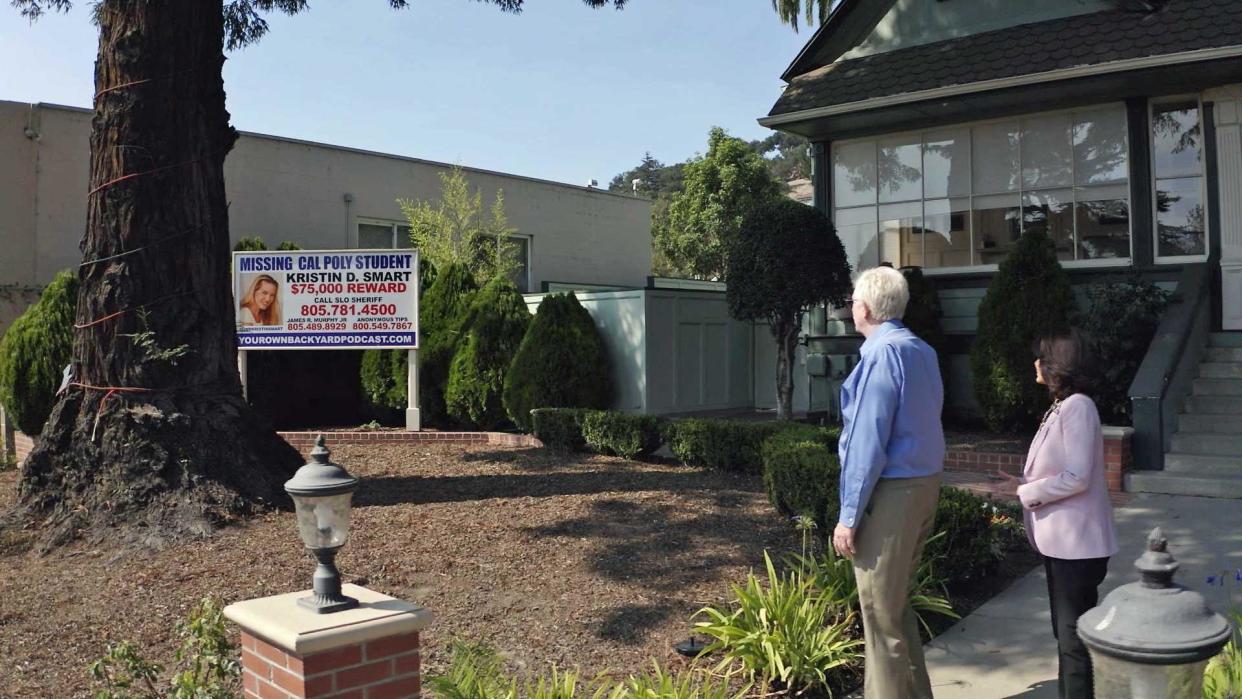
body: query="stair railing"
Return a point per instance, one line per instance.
(1167, 373)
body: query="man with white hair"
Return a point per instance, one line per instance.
(892, 453)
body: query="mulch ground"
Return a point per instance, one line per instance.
(587, 561)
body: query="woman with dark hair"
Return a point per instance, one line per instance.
(1069, 519)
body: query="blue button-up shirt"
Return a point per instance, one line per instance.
(890, 407)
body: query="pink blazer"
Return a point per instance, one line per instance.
(1064, 494)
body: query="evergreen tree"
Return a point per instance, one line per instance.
(178, 449)
(561, 363)
(34, 352)
(442, 316)
(493, 330)
(1029, 297)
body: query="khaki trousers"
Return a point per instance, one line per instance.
(887, 546)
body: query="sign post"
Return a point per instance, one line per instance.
(329, 299)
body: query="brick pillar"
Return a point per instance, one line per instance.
(371, 652)
(1118, 456)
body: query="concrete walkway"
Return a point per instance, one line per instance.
(1005, 648)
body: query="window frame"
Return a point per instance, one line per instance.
(969, 126)
(393, 227)
(1157, 258)
(530, 256)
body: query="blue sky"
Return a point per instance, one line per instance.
(560, 91)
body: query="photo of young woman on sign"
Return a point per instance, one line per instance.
(261, 303)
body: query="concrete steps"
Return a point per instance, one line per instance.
(1205, 455)
(1181, 484)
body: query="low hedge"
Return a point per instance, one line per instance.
(621, 434)
(801, 475)
(731, 445)
(560, 429)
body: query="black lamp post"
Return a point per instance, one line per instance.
(1151, 639)
(321, 492)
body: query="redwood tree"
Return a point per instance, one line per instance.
(153, 438)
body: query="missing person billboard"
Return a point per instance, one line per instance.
(326, 299)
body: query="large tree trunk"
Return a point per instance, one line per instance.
(147, 441)
(785, 331)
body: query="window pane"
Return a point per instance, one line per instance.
(853, 174)
(901, 234)
(856, 229)
(1100, 151)
(994, 158)
(995, 220)
(1103, 223)
(901, 169)
(403, 237)
(1176, 139)
(946, 164)
(1051, 211)
(1179, 217)
(946, 233)
(1046, 151)
(372, 236)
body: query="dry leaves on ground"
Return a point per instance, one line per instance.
(586, 561)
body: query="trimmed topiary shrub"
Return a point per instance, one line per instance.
(494, 329)
(383, 372)
(443, 313)
(560, 364)
(729, 444)
(1030, 296)
(923, 314)
(801, 473)
(34, 352)
(560, 429)
(1121, 318)
(621, 434)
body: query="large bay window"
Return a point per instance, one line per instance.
(960, 197)
(1177, 165)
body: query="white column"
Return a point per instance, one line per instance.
(1228, 118)
(412, 423)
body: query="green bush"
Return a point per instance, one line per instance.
(1121, 319)
(250, 244)
(614, 432)
(1030, 296)
(493, 330)
(561, 363)
(787, 634)
(976, 534)
(560, 429)
(801, 477)
(729, 444)
(686, 683)
(207, 664)
(34, 352)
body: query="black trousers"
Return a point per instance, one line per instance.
(1073, 588)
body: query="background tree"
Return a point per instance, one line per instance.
(139, 440)
(790, 10)
(785, 258)
(655, 179)
(455, 231)
(442, 317)
(1030, 296)
(720, 189)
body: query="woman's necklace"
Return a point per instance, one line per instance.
(1052, 410)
